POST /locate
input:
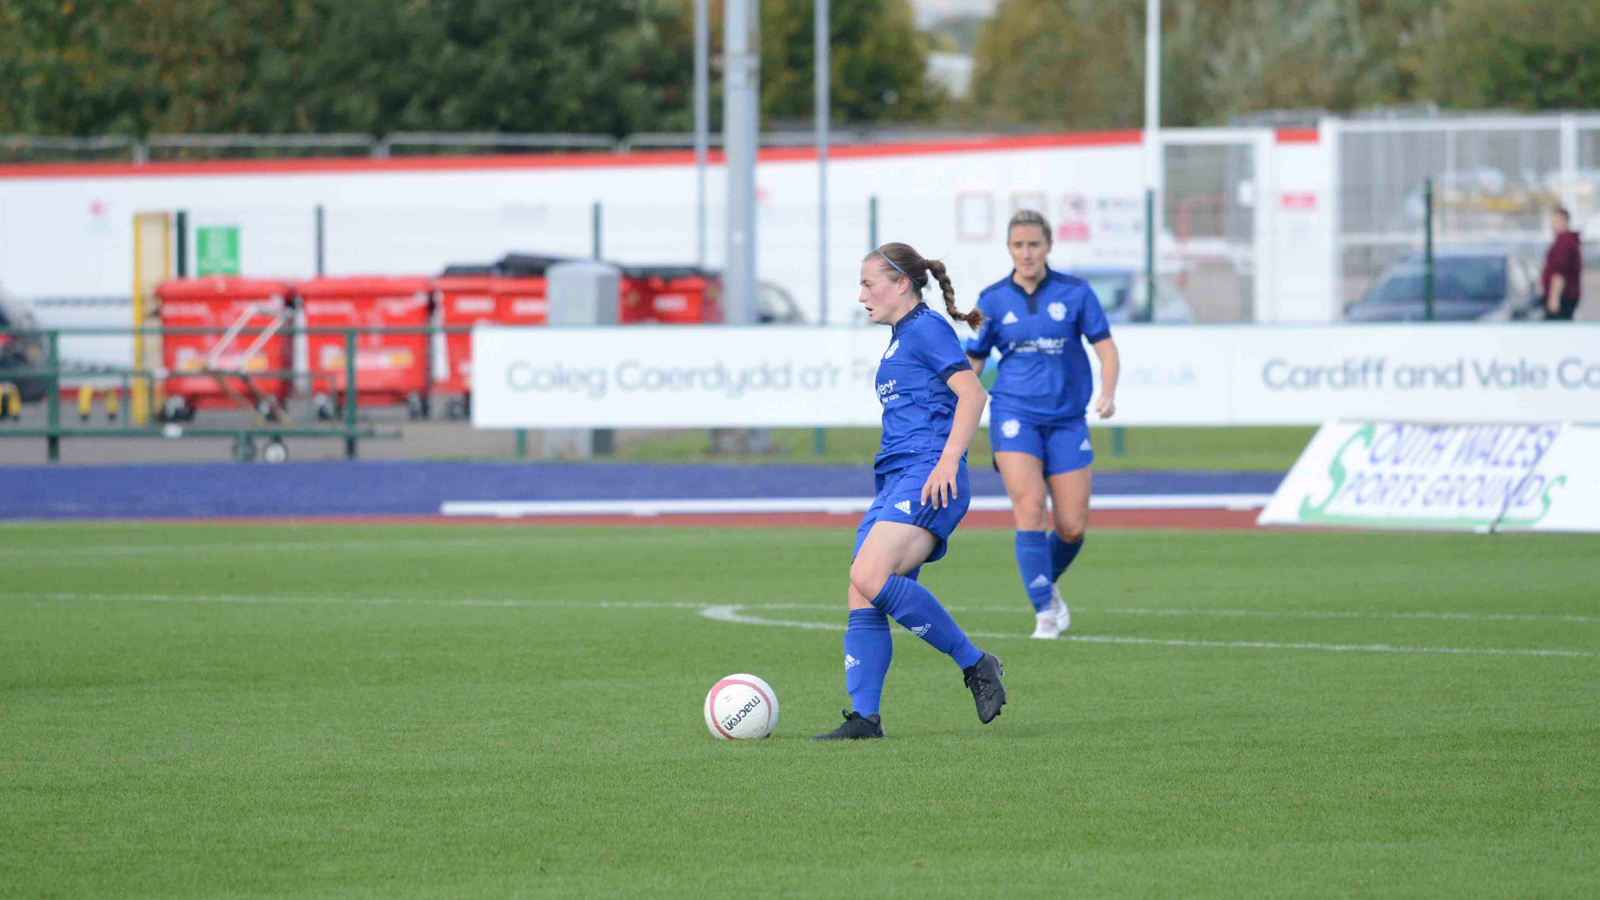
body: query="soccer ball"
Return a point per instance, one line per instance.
(742, 708)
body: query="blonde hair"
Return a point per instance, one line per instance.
(1030, 217)
(903, 260)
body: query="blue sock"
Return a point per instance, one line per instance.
(911, 605)
(1061, 555)
(867, 651)
(1033, 561)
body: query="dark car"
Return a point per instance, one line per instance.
(1468, 284)
(21, 352)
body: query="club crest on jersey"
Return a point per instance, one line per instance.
(1010, 428)
(893, 346)
(1009, 319)
(1058, 311)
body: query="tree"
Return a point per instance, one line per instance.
(357, 65)
(1516, 54)
(81, 67)
(1080, 63)
(877, 61)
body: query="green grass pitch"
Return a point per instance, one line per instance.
(393, 711)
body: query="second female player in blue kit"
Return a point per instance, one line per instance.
(931, 402)
(1040, 319)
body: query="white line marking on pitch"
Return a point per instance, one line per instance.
(732, 614)
(1312, 614)
(648, 604)
(230, 546)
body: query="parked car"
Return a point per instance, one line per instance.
(19, 352)
(1125, 298)
(1468, 283)
(776, 306)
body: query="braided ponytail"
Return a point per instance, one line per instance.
(974, 318)
(905, 260)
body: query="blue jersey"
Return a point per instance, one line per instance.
(918, 405)
(1044, 373)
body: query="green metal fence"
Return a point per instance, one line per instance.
(133, 379)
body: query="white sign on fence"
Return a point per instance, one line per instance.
(719, 376)
(1529, 477)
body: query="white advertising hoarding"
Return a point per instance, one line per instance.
(1502, 477)
(719, 376)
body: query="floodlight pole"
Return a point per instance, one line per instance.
(741, 79)
(702, 122)
(823, 75)
(1154, 160)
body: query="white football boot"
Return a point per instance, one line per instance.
(1058, 608)
(1045, 627)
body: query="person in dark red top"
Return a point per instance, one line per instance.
(1562, 277)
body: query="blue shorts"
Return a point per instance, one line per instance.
(900, 500)
(1064, 447)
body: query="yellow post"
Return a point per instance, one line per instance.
(10, 400)
(111, 404)
(152, 264)
(85, 402)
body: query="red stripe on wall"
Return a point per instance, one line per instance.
(1297, 135)
(550, 160)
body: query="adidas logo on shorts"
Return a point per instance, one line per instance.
(1085, 445)
(904, 506)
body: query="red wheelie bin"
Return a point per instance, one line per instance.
(389, 368)
(217, 369)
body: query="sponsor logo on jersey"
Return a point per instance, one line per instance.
(1045, 345)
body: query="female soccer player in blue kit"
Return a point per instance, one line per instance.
(1040, 319)
(931, 403)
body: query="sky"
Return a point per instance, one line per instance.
(929, 11)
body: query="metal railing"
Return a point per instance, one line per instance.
(38, 148)
(494, 142)
(134, 380)
(211, 146)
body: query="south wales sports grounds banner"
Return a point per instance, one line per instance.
(1532, 477)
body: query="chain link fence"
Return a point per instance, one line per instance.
(1494, 181)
